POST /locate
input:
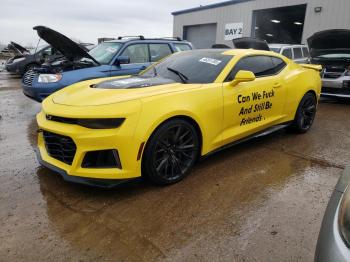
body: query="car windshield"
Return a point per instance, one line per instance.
(38, 49)
(199, 66)
(104, 52)
(334, 56)
(275, 49)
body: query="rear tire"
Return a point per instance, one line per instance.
(305, 114)
(171, 152)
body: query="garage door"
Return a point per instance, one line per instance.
(201, 36)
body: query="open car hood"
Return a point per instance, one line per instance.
(329, 42)
(18, 49)
(250, 43)
(71, 50)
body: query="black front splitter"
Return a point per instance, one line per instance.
(93, 182)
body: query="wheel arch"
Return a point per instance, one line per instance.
(309, 91)
(187, 118)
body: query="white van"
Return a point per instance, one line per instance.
(298, 53)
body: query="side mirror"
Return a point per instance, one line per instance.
(243, 76)
(122, 60)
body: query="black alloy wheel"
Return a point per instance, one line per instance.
(171, 152)
(305, 114)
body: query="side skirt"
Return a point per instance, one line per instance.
(253, 136)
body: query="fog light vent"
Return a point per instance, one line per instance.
(102, 159)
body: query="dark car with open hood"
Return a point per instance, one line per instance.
(331, 49)
(123, 56)
(25, 60)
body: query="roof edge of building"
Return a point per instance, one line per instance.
(211, 6)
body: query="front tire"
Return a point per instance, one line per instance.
(171, 152)
(305, 114)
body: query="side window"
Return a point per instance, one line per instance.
(278, 65)
(138, 53)
(297, 53)
(261, 66)
(287, 53)
(182, 47)
(306, 52)
(158, 51)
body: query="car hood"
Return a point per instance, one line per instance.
(329, 42)
(250, 43)
(18, 49)
(71, 50)
(116, 90)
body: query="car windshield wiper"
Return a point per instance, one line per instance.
(183, 78)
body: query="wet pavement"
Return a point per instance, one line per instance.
(260, 201)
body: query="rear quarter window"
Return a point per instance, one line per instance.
(306, 52)
(260, 65)
(297, 53)
(182, 47)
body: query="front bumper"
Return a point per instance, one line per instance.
(13, 68)
(102, 183)
(330, 245)
(339, 87)
(87, 140)
(37, 94)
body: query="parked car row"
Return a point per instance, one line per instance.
(124, 56)
(63, 62)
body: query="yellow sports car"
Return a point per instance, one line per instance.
(157, 124)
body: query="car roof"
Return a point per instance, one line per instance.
(240, 52)
(147, 40)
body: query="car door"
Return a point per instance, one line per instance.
(253, 106)
(139, 60)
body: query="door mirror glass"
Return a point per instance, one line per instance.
(243, 76)
(122, 60)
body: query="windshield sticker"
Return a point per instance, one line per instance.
(111, 49)
(211, 61)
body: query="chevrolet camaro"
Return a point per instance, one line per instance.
(158, 123)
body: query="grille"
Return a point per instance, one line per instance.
(28, 78)
(333, 73)
(60, 147)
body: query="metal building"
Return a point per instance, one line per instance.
(276, 21)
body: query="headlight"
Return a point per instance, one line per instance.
(344, 217)
(49, 78)
(102, 123)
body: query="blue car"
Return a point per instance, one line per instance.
(123, 56)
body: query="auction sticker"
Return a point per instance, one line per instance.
(211, 61)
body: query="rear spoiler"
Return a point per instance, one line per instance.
(310, 66)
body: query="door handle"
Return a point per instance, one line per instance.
(277, 85)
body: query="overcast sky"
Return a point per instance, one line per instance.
(86, 20)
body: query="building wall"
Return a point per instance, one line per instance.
(335, 14)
